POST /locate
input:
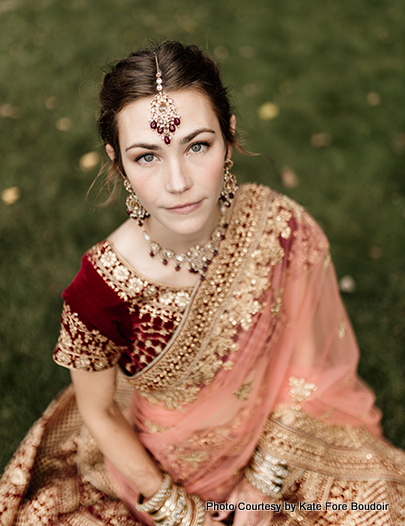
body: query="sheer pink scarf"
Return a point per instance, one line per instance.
(286, 338)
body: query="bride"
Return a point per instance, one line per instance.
(213, 364)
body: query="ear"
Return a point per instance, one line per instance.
(110, 152)
(232, 125)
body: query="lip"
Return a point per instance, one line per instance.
(185, 209)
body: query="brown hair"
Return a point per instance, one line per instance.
(135, 77)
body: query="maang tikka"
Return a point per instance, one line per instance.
(164, 117)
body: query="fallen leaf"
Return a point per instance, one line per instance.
(289, 178)
(268, 111)
(320, 140)
(51, 102)
(373, 98)
(398, 144)
(9, 111)
(221, 52)
(89, 160)
(10, 195)
(347, 284)
(375, 252)
(63, 124)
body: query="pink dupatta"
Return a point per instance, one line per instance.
(264, 347)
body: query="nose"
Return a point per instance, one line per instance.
(178, 179)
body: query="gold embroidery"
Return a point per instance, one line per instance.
(84, 349)
(158, 310)
(207, 337)
(318, 488)
(243, 391)
(276, 307)
(153, 427)
(326, 260)
(300, 389)
(194, 459)
(338, 451)
(133, 289)
(342, 329)
(197, 354)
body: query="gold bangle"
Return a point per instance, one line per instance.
(156, 501)
(175, 513)
(167, 507)
(199, 511)
(267, 473)
(188, 513)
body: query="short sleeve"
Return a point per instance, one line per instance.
(95, 325)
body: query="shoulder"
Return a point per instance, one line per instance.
(274, 201)
(288, 227)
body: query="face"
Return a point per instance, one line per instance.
(178, 184)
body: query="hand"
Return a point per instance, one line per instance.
(245, 492)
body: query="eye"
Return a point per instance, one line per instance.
(198, 147)
(146, 158)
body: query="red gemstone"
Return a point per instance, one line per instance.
(176, 121)
(165, 262)
(167, 140)
(153, 125)
(177, 267)
(152, 254)
(160, 129)
(172, 128)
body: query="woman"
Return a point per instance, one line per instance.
(213, 365)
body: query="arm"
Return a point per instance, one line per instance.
(114, 435)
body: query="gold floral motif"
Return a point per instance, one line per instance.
(243, 391)
(153, 427)
(300, 389)
(155, 306)
(84, 349)
(194, 459)
(319, 488)
(327, 259)
(342, 329)
(276, 307)
(130, 286)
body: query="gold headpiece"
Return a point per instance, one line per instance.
(164, 117)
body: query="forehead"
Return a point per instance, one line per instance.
(193, 108)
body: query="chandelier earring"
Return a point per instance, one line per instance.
(134, 207)
(229, 185)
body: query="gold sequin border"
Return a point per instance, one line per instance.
(344, 452)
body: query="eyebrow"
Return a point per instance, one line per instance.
(143, 145)
(185, 140)
(193, 134)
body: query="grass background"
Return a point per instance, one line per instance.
(329, 67)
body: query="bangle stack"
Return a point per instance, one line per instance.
(171, 506)
(267, 473)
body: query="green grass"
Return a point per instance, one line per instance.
(318, 61)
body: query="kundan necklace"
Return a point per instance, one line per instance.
(197, 258)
